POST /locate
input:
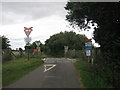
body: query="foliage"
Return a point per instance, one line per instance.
(6, 50)
(107, 17)
(5, 42)
(55, 44)
(89, 77)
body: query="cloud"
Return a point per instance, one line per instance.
(0, 13)
(43, 28)
(34, 0)
(46, 18)
(18, 12)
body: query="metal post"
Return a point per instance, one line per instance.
(88, 59)
(28, 53)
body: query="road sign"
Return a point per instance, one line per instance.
(66, 48)
(27, 39)
(28, 31)
(88, 44)
(38, 49)
(27, 44)
(37, 43)
(88, 47)
(88, 52)
(35, 50)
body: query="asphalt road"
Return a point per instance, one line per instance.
(55, 73)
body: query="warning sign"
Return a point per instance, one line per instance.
(28, 31)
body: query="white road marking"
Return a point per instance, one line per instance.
(44, 59)
(52, 66)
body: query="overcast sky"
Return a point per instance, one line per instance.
(46, 18)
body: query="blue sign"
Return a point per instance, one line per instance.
(88, 48)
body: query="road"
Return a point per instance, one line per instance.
(55, 73)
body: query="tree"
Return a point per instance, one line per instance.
(107, 17)
(5, 43)
(55, 44)
(104, 14)
(6, 50)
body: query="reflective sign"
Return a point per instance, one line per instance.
(27, 39)
(88, 48)
(88, 52)
(88, 44)
(35, 50)
(37, 43)
(66, 48)
(28, 31)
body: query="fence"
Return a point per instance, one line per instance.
(96, 55)
(8, 54)
(76, 54)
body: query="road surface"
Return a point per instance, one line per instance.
(55, 73)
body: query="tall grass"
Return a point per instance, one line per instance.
(90, 78)
(13, 70)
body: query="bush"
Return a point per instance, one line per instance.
(6, 56)
(106, 64)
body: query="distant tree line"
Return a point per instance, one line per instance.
(55, 44)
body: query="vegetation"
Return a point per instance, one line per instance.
(13, 70)
(105, 17)
(6, 54)
(5, 42)
(90, 78)
(55, 44)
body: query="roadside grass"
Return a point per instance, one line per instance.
(15, 69)
(89, 78)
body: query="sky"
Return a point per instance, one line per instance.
(46, 18)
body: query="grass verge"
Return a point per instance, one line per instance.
(13, 70)
(89, 78)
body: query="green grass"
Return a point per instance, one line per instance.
(15, 69)
(88, 77)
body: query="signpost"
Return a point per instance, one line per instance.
(27, 31)
(35, 50)
(88, 53)
(66, 50)
(38, 46)
(37, 43)
(27, 39)
(88, 48)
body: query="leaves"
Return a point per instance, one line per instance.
(56, 43)
(107, 17)
(5, 42)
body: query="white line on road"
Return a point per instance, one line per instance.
(51, 66)
(43, 59)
